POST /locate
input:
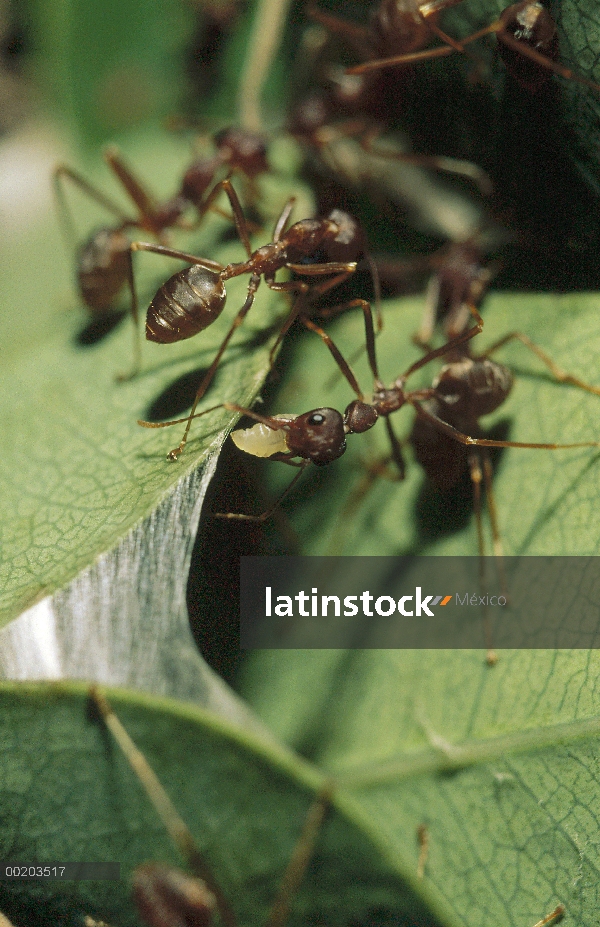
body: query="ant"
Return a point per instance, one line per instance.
(468, 387)
(527, 43)
(407, 27)
(166, 896)
(460, 279)
(104, 262)
(193, 298)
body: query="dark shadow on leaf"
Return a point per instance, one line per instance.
(177, 398)
(98, 328)
(438, 514)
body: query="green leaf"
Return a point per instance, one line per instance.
(69, 795)
(499, 763)
(82, 486)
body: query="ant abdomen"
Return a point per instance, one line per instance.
(397, 24)
(198, 178)
(186, 304)
(472, 387)
(103, 268)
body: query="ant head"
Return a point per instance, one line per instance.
(307, 237)
(318, 435)
(398, 24)
(198, 178)
(531, 24)
(243, 149)
(359, 416)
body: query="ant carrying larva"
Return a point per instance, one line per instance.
(192, 299)
(468, 387)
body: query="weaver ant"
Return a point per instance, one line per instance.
(104, 262)
(527, 43)
(459, 280)
(193, 298)
(401, 28)
(468, 387)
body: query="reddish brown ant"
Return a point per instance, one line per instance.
(104, 264)
(527, 42)
(395, 27)
(193, 298)
(469, 386)
(459, 280)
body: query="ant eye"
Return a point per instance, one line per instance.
(317, 419)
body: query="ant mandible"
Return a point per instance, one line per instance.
(104, 265)
(193, 298)
(527, 42)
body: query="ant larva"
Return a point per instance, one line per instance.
(104, 262)
(192, 299)
(527, 43)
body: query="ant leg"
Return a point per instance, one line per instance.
(179, 255)
(369, 333)
(316, 270)
(137, 349)
(174, 824)
(493, 513)
(528, 52)
(553, 916)
(397, 455)
(337, 356)
(358, 36)
(447, 429)
(60, 172)
(476, 475)
(260, 519)
(437, 163)
(282, 221)
(318, 289)
(252, 288)
(132, 186)
(445, 348)
(426, 55)
(556, 371)
(301, 857)
(238, 215)
(424, 334)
